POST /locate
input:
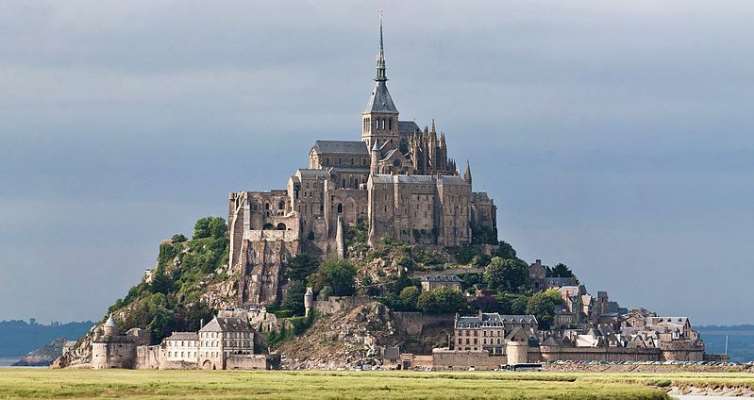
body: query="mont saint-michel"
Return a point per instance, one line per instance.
(379, 254)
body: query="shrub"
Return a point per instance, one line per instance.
(440, 301)
(409, 297)
(339, 275)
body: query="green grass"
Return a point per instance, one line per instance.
(142, 384)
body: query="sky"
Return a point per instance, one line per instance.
(615, 137)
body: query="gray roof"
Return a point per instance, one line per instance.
(183, 336)
(440, 278)
(341, 147)
(406, 127)
(313, 173)
(229, 324)
(494, 319)
(380, 100)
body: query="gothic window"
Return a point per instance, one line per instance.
(340, 208)
(266, 206)
(281, 205)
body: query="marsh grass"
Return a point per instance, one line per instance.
(143, 384)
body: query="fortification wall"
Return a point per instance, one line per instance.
(443, 359)
(614, 354)
(336, 304)
(246, 361)
(148, 357)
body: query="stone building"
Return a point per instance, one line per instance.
(432, 282)
(398, 180)
(111, 349)
(224, 339)
(490, 331)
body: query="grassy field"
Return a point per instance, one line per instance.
(125, 384)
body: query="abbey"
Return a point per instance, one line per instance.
(398, 180)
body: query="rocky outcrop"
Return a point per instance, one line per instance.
(43, 356)
(346, 339)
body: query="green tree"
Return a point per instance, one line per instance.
(505, 250)
(519, 304)
(210, 227)
(294, 298)
(507, 274)
(301, 266)
(409, 296)
(338, 275)
(440, 301)
(543, 306)
(560, 270)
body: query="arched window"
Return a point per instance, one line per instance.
(281, 226)
(281, 205)
(340, 208)
(266, 206)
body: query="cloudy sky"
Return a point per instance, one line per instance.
(614, 136)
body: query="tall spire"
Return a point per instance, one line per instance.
(381, 76)
(467, 173)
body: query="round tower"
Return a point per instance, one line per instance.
(308, 300)
(110, 329)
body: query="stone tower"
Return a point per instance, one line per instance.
(110, 329)
(380, 118)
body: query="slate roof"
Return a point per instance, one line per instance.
(313, 173)
(406, 127)
(229, 324)
(441, 278)
(380, 100)
(341, 147)
(494, 319)
(183, 336)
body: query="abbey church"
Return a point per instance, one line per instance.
(397, 180)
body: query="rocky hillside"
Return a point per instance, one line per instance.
(189, 282)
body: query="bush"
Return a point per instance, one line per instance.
(505, 251)
(409, 297)
(338, 275)
(441, 301)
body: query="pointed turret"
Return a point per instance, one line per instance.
(467, 173)
(110, 328)
(340, 241)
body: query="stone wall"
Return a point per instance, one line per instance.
(148, 357)
(444, 359)
(246, 361)
(555, 353)
(336, 304)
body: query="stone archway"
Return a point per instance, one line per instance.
(207, 364)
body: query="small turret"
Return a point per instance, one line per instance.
(375, 159)
(467, 173)
(110, 328)
(340, 242)
(308, 301)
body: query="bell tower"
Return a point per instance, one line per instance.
(380, 118)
